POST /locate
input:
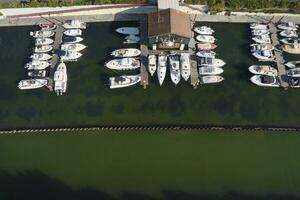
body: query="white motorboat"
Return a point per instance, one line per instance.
(128, 30)
(293, 64)
(43, 49)
(211, 79)
(37, 65)
(42, 34)
(174, 69)
(205, 38)
(60, 79)
(204, 30)
(73, 47)
(259, 26)
(206, 46)
(206, 53)
(152, 64)
(293, 72)
(288, 33)
(256, 32)
(210, 70)
(72, 40)
(264, 55)
(43, 41)
(126, 52)
(261, 47)
(263, 70)
(265, 81)
(211, 62)
(123, 64)
(288, 26)
(262, 39)
(32, 84)
(41, 56)
(123, 81)
(37, 73)
(185, 66)
(70, 55)
(74, 24)
(290, 40)
(162, 68)
(73, 32)
(47, 27)
(132, 39)
(294, 82)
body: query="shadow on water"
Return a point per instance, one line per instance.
(35, 185)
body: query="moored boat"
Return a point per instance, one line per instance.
(72, 40)
(291, 40)
(37, 73)
(42, 34)
(73, 47)
(32, 84)
(70, 55)
(293, 72)
(174, 69)
(264, 55)
(288, 26)
(43, 49)
(207, 53)
(132, 39)
(205, 38)
(291, 48)
(206, 46)
(265, 81)
(210, 70)
(47, 26)
(292, 64)
(204, 30)
(43, 41)
(73, 32)
(123, 81)
(37, 65)
(74, 24)
(40, 56)
(211, 79)
(211, 62)
(60, 79)
(123, 64)
(288, 33)
(185, 66)
(152, 64)
(261, 47)
(259, 26)
(263, 70)
(256, 32)
(128, 30)
(262, 39)
(162, 68)
(294, 82)
(126, 52)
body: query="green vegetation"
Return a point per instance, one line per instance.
(250, 5)
(55, 3)
(153, 165)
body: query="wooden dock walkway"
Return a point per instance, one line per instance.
(55, 59)
(278, 56)
(144, 51)
(193, 60)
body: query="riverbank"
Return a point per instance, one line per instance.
(130, 165)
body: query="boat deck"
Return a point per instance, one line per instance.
(55, 59)
(144, 52)
(278, 56)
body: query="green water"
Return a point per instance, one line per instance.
(90, 102)
(132, 165)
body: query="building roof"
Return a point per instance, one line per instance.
(165, 4)
(169, 21)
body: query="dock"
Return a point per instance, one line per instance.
(278, 56)
(55, 59)
(194, 66)
(144, 52)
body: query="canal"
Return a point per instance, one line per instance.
(89, 101)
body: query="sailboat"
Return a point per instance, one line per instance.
(162, 68)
